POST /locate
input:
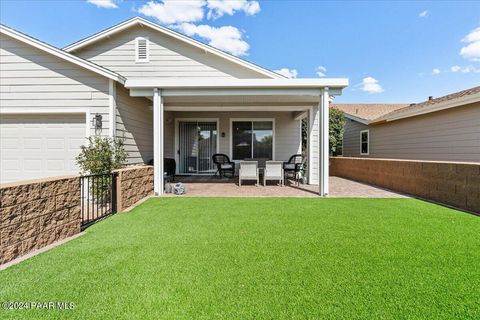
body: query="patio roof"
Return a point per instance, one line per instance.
(235, 87)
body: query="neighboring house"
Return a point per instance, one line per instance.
(445, 129)
(165, 94)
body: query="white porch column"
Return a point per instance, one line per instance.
(158, 142)
(323, 130)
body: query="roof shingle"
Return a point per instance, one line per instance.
(367, 111)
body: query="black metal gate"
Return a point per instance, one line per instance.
(98, 197)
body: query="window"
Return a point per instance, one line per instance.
(141, 50)
(364, 142)
(252, 139)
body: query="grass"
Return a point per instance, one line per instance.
(262, 258)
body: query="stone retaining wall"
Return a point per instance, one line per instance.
(34, 214)
(133, 184)
(455, 184)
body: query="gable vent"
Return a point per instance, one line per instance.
(141, 50)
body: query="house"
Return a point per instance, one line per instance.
(161, 92)
(443, 129)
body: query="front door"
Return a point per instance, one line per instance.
(197, 143)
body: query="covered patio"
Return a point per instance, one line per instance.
(242, 119)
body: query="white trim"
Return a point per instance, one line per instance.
(112, 109)
(51, 110)
(357, 119)
(251, 120)
(368, 142)
(234, 90)
(177, 140)
(324, 149)
(137, 60)
(61, 54)
(158, 150)
(234, 83)
(143, 22)
(236, 108)
(300, 115)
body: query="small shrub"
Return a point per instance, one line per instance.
(101, 155)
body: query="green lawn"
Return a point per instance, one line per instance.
(263, 258)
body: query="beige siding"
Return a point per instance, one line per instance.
(169, 57)
(287, 130)
(134, 125)
(31, 78)
(448, 135)
(351, 137)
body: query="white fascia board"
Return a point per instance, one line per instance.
(428, 109)
(357, 119)
(236, 83)
(61, 54)
(138, 20)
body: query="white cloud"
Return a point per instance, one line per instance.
(467, 69)
(226, 38)
(423, 14)
(435, 71)
(321, 71)
(289, 73)
(455, 68)
(173, 11)
(109, 4)
(471, 51)
(371, 85)
(217, 8)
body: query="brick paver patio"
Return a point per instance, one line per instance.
(207, 186)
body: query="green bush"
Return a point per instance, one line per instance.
(101, 155)
(336, 126)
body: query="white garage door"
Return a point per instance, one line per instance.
(34, 146)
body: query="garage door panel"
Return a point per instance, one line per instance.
(55, 144)
(39, 145)
(56, 165)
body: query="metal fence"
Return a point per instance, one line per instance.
(98, 197)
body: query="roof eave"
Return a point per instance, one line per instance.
(334, 83)
(428, 109)
(61, 54)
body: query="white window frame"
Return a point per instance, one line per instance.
(137, 60)
(368, 142)
(252, 120)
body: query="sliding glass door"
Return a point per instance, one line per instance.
(197, 142)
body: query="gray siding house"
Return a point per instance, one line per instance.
(165, 94)
(443, 129)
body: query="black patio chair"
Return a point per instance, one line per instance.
(169, 168)
(224, 165)
(293, 166)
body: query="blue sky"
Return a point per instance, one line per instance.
(390, 51)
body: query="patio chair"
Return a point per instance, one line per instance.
(169, 169)
(248, 171)
(293, 166)
(273, 171)
(224, 165)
